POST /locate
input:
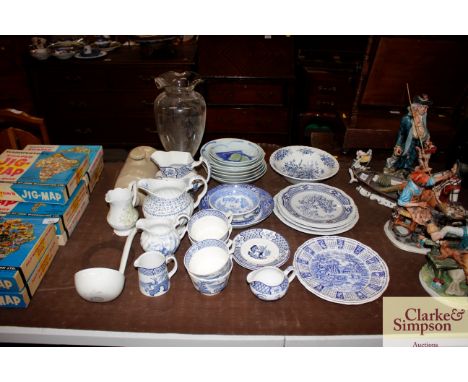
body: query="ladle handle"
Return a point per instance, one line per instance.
(126, 250)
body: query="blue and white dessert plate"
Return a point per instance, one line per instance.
(256, 248)
(232, 151)
(264, 209)
(341, 270)
(303, 164)
(318, 205)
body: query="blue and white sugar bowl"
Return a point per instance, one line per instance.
(270, 283)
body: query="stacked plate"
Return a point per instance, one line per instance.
(315, 208)
(247, 204)
(234, 160)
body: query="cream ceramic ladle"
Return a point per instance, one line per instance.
(104, 284)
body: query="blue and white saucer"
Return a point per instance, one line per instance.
(341, 270)
(261, 213)
(256, 248)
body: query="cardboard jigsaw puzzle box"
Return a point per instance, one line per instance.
(95, 158)
(27, 176)
(65, 217)
(13, 298)
(22, 245)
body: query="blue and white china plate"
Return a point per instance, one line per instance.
(318, 205)
(256, 248)
(236, 199)
(303, 164)
(341, 270)
(311, 230)
(229, 179)
(232, 152)
(265, 208)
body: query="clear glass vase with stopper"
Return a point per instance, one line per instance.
(180, 111)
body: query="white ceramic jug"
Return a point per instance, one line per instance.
(160, 235)
(169, 198)
(122, 214)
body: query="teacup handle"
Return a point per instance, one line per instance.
(179, 227)
(229, 216)
(290, 273)
(195, 179)
(174, 268)
(230, 245)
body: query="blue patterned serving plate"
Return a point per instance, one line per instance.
(318, 205)
(303, 164)
(341, 270)
(256, 248)
(265, 208)
(232, 152)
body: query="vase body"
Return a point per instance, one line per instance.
(180, 112)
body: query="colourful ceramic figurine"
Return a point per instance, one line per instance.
(412, 135)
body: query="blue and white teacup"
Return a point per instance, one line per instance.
(209, 258)
(153, 276)
(270, 283)
(212, 286)
(209, 224)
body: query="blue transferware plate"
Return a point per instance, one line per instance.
(341, 270)
(263, 211)
(304, 164)
(256, 248)
(232, 152)
(317, 204)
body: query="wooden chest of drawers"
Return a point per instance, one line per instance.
(249, 87)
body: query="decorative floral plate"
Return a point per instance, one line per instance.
(265, 208)
(319, 205)
(303, 164)
(256, 248)
(341, 270)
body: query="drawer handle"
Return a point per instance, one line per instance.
(330, 89)
(72, 78)
(147, 103)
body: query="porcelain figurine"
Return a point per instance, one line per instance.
(412, 135)
(169, 198)
(161, 235)
(122, 214)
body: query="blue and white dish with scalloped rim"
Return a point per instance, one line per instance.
(341, 270)
(304, 164)
(256, 248)
(264, 209)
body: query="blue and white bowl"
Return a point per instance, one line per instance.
(303, 164)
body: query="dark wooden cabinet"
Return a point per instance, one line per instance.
(249, 87)
(435, 65)
(106, 101)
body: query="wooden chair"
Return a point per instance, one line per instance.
(18, 129)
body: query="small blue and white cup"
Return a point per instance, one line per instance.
(153, 275)
(212, 286)
(209, 258)
(209, 224)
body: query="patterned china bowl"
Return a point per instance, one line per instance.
(303, 164)
(237, 200)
